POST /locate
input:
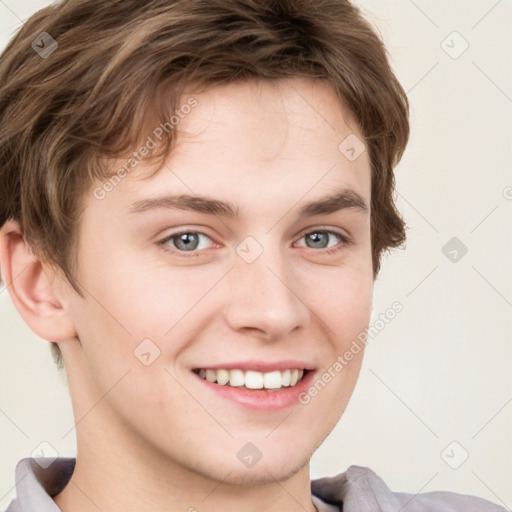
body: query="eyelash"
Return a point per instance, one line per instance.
(345, 241)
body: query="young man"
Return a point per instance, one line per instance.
(195, 197)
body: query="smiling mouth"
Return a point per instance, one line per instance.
(253, 380)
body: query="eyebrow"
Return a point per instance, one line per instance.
(340, 200)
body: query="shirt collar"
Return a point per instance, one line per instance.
(38, 480)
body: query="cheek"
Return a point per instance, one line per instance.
(345, 304)
(142, 297)
(344, 310)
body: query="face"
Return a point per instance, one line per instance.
(173, 286)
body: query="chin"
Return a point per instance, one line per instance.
(279, 467)
(261, 473)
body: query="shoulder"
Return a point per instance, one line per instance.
(37, 480)
(361, 489)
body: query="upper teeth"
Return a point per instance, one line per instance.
(252, 379)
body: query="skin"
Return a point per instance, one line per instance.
(151, 437)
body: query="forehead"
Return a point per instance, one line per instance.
(271, 112)
(253, 142)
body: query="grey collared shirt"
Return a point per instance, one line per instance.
(358, 489)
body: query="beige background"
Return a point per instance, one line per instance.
(440, 371)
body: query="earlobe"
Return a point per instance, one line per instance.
(30, 289)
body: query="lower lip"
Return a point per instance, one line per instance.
(261, 399)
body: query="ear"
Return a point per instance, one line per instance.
(32, 292)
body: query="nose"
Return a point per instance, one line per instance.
(265, 297)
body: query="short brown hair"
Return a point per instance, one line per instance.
(64, 116)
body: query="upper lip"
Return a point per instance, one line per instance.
(260, 366)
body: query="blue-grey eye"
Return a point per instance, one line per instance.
(186, 241)
(320, 239)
